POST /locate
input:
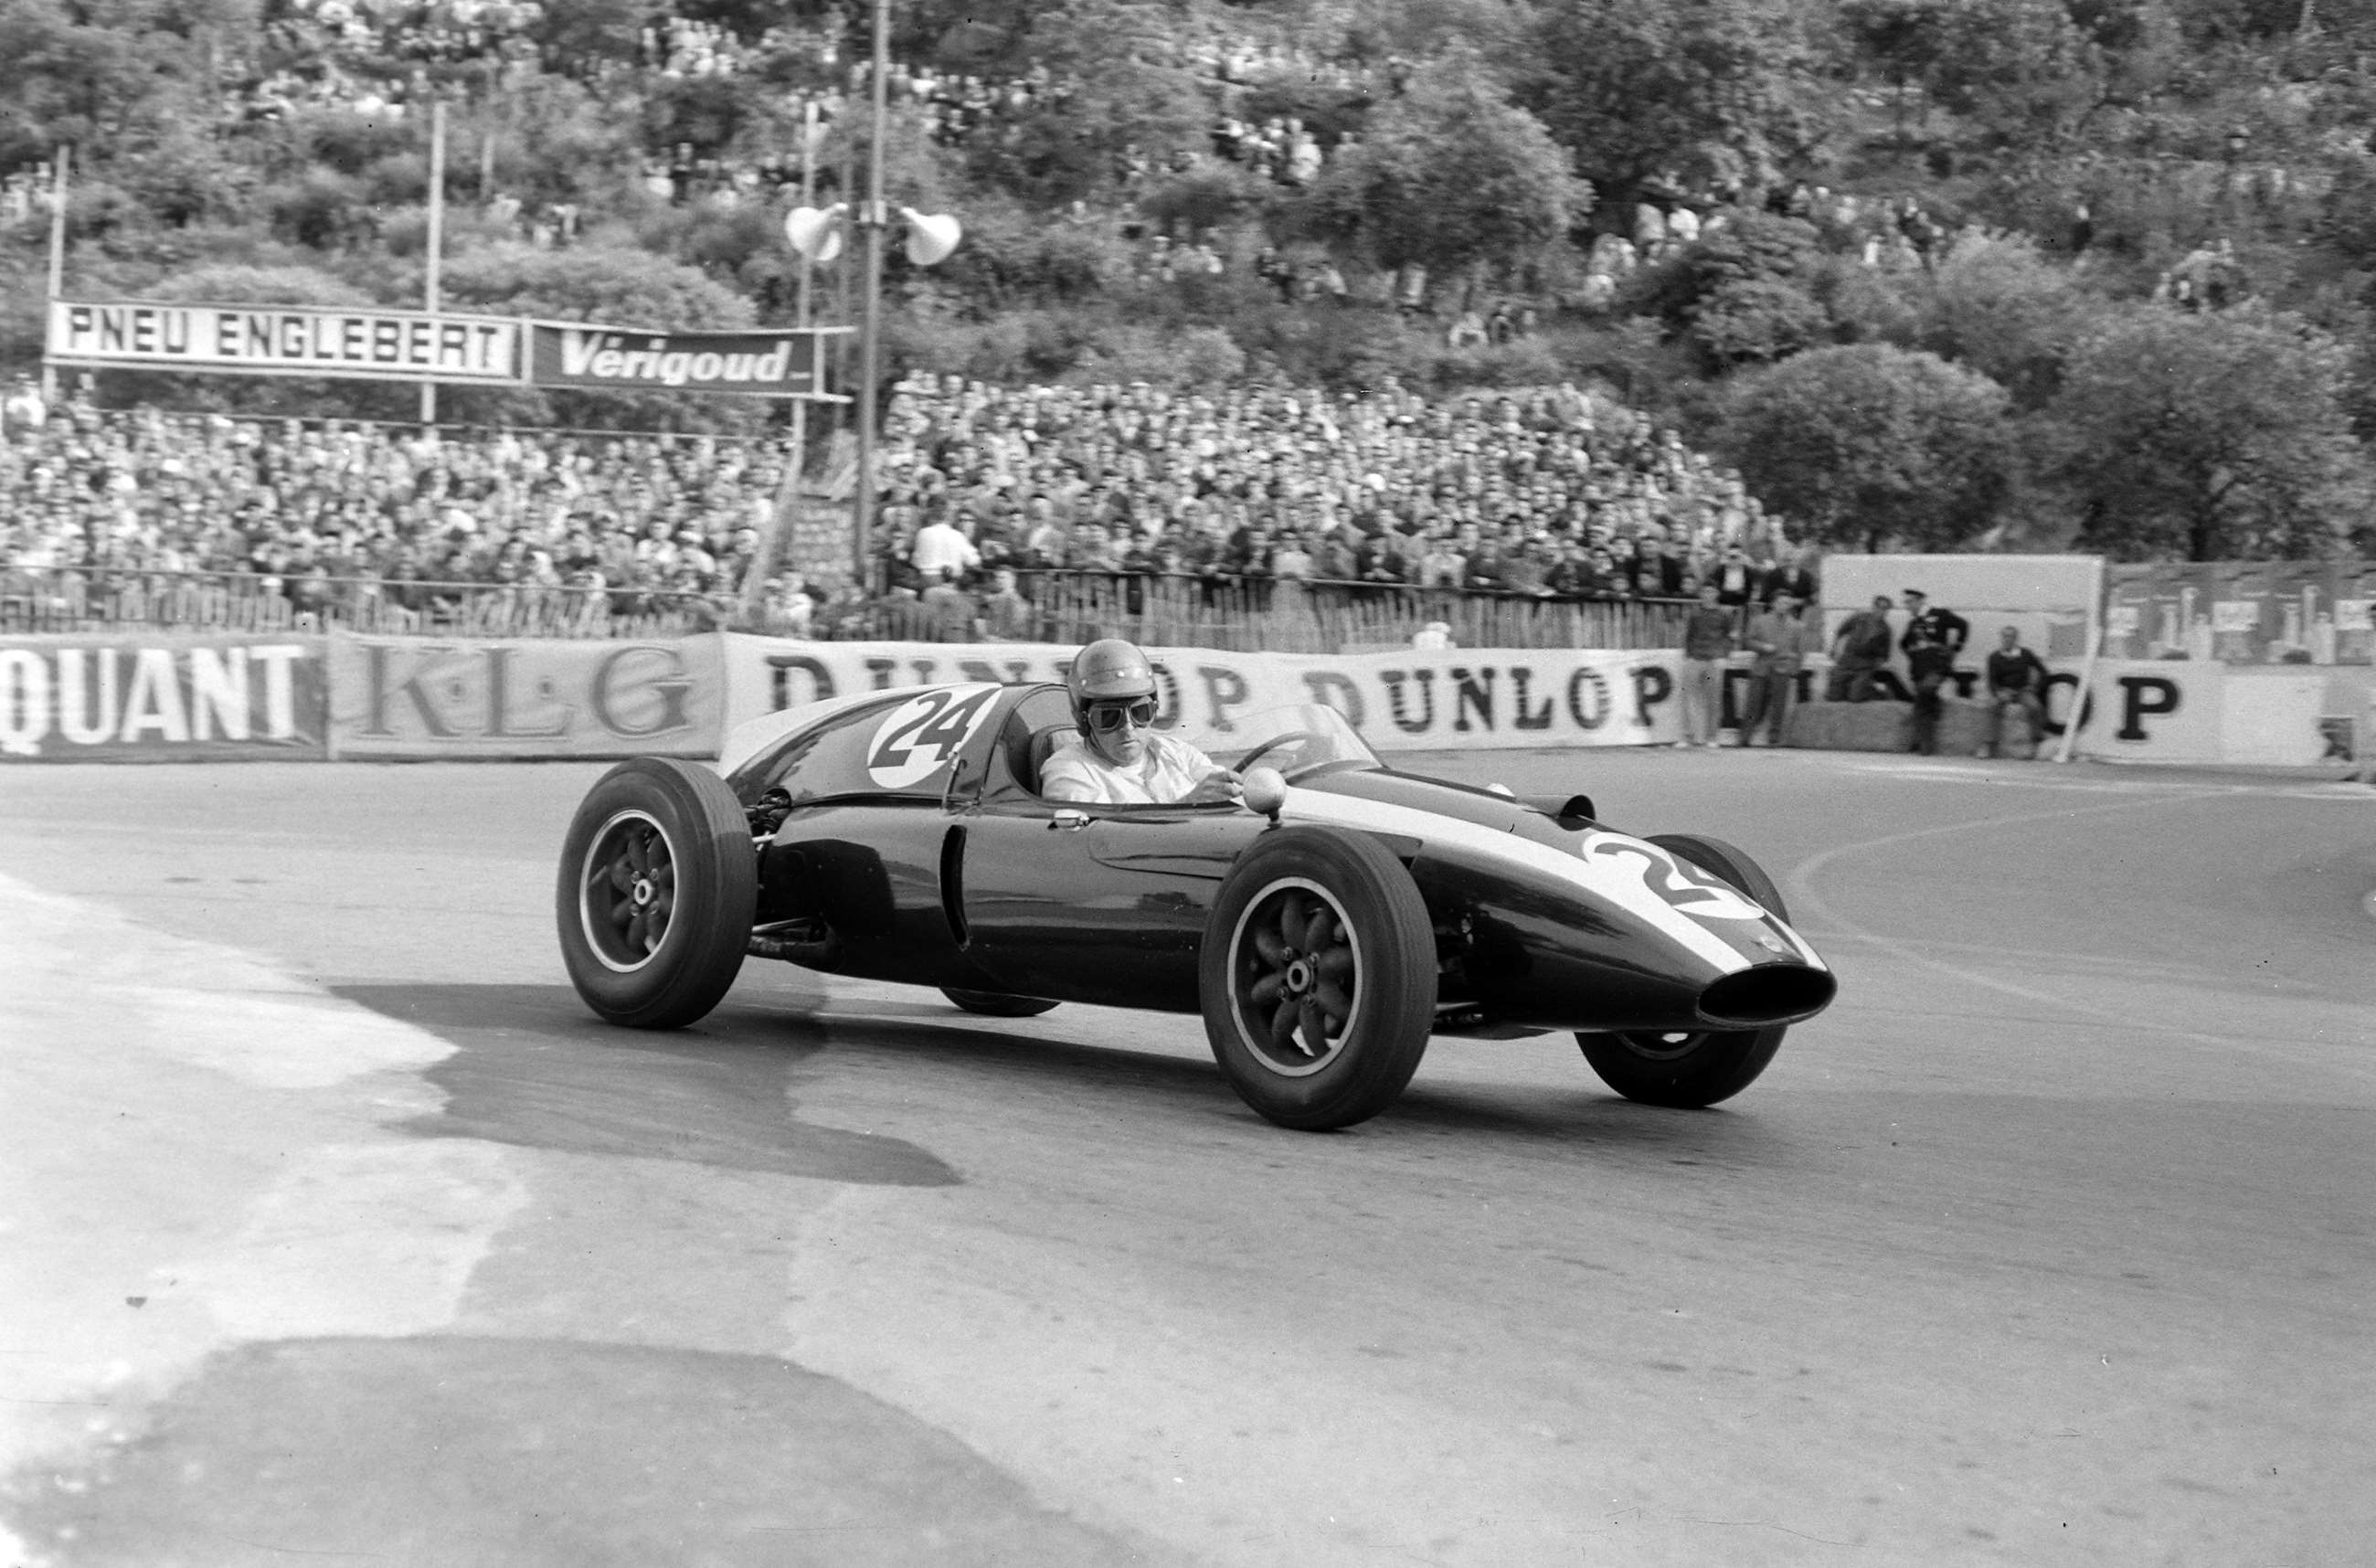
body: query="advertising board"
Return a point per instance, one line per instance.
(1407, 700)
(426, 698)
(382, 345)
(155, 698)
(768, 365)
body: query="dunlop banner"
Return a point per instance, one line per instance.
(1460, 699)
(160, 699)
(424, 698)
(765, 365)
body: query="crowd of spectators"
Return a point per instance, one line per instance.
(1548, 494)
(1551, 493)
(645, 521)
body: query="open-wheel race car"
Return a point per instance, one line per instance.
(1325, 929)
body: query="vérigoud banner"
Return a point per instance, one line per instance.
(1485, 698)
(162, 698)
(768, 364)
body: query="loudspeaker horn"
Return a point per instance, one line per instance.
(814, 232)
(931, 236)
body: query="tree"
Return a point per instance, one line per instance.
(2222, 436)
(1995, 304)
(1711, 91)
(1872, 445)
(2019, 69)
(1452, 174)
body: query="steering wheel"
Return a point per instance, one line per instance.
(1270, 746)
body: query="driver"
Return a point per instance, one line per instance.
(1118, 760)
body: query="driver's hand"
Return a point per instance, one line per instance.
(1223, 785)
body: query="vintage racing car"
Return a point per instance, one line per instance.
(1326, 930)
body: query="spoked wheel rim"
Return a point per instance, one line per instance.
(1656, 1045)
(1295, 976)
(626, 890)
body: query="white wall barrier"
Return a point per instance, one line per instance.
(2197, 711)
(156, 697)
(424, 698)
(1405, 700)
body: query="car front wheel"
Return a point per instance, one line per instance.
(1317, 977)
(658, 887)
(1688, 1068)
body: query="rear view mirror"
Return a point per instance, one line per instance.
(1265, 791)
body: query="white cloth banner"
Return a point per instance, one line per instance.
(1403, 700)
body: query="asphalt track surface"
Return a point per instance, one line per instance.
(333, 1230)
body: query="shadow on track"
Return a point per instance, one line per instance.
(529, 1068)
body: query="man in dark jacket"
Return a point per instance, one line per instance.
(1707, 646)
(2016, 681)
(1931, 642)
(1859, 650)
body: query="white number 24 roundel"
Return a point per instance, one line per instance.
(920, 738)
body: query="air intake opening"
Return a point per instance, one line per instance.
(1771, 993)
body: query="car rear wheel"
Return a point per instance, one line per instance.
(658, 887)
(997, 1005)
(1317, 977)
(1688, 1068)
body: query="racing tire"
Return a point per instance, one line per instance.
(1317, 977)
(1688, 1070)
(658, 886)
(997, 1005)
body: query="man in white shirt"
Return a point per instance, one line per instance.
(942, 548)
(1117, 758)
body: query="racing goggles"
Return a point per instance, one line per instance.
(1106, 718)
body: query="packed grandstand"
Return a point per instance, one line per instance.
(1266, 319)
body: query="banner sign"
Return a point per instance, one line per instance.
(2243, 612)
(380, 345)
(162, 699)
(1404, 700)
(2200, 712)
(766, 364)
(426, 698)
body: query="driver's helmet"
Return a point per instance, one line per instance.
(1109, 672)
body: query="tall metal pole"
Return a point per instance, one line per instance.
(437, 238)
(59, 168)
(871, 218)
(788, 490)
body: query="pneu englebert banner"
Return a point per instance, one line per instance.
(389, 344)
(426, 698)
(1407, 700)
(766, 364)
(162, 698)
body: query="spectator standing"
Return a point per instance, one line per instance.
(1859, 649)
(1707, 645)
(1779, 642)
(1006, 615)
(1790, 574)
(1931, 640)
(942, 548)
(1736, 579)
(23, 411)
(2017, 682)
(950, 613)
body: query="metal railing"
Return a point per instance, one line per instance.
(105, 600)
(1232, 613)
(1242, 614)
